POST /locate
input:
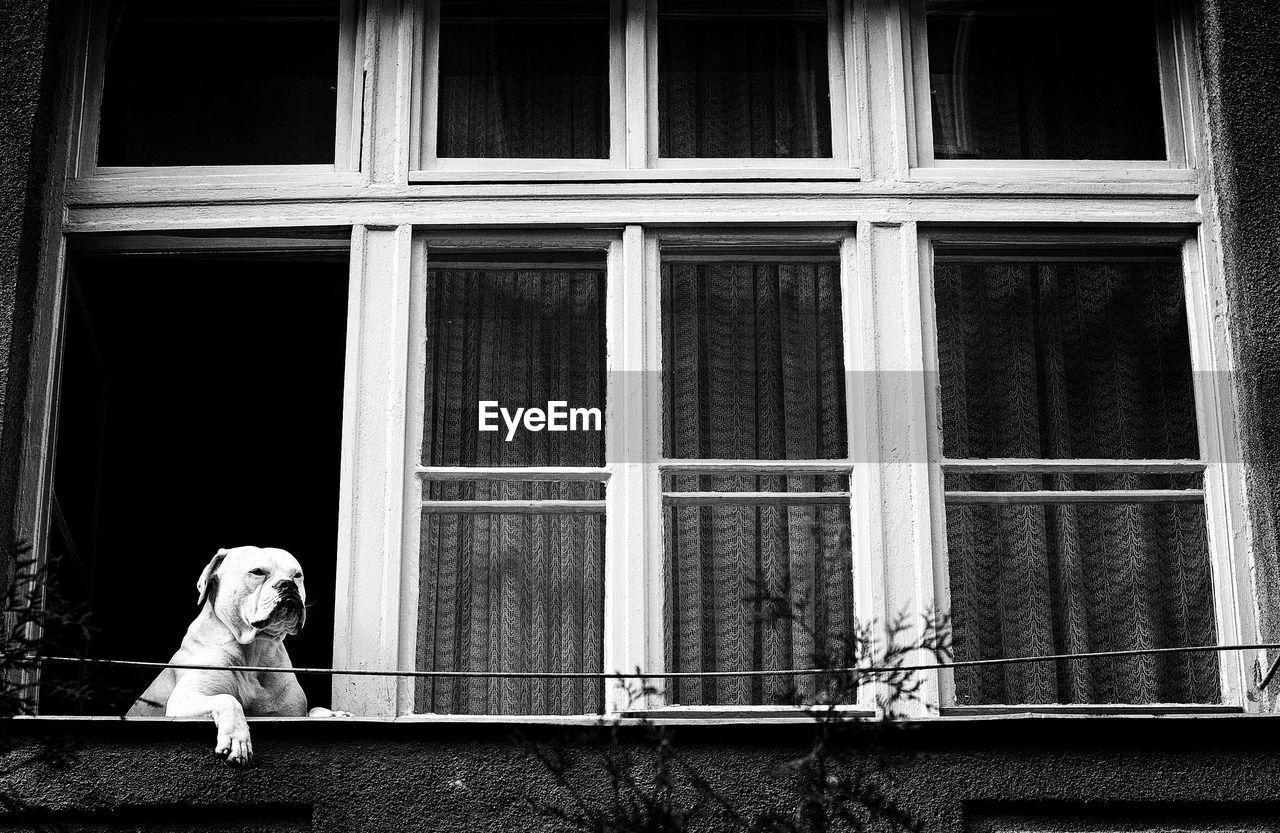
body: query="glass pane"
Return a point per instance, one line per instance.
(236, 83)
(754, 360)
(1028, 580)
(1041, 80)
(1069, 359)
(745, 79)
(518, 337)
(520, 78)
(511, 593)
(729, 571)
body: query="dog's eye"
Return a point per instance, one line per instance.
(257, 571)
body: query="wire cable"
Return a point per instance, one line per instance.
(869, 670)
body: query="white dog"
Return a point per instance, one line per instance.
(250, 599)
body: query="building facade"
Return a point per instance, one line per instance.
(888, 308)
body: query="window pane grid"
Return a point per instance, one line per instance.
(1053, 551)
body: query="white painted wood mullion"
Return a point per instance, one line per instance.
(350, 86)
(861, 408)
(89, 20)
(626, 523)
(1226, 519)
(890, 252)
(412, 488)
(647, 36)
(368, 610)
(389, 85)
(887, 111)
(650, 305)
(934, 440)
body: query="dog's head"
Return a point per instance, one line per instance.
(255, 591)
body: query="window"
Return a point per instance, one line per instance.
(511, 568)
(815, 324)
(523, 89)
(1074, 478)
(1094, 83)
(200, 408)
(518, 81)
(745, 80)
(753, 370)
(219, 85)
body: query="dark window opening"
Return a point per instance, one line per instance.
(200, 407)
(239, 83)
(1040, 80)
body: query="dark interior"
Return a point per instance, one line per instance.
(1044, 80)
(244, 82)
(200, 407)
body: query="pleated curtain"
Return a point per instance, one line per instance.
(532, 85)
(739, 87)
(753, 358)
(1073, 360)
(511, 592)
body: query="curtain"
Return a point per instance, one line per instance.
(1044, 83)
(506, 592)
(524, 85)
(1073, 360)
(753, 358)
(743, 84)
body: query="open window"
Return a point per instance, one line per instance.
(200, 407)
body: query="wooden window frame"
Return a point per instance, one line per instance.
(90, 75)
(1179, 81)
(1220, 493)
(882, 214)
(633, 112)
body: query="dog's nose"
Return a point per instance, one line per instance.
(286, 586)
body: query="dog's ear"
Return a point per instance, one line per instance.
(207, 584)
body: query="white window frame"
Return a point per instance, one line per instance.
(1178, 82)
(633, 112)
(90, 74)
(392, 214)
(1220, 492)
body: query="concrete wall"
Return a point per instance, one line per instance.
(1019, 774)
(1241, 52)
(28, 44)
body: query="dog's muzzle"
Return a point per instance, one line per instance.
(288, 607)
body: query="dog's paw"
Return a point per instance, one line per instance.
(235, 747)
(321, 711)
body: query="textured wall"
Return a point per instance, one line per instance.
(1023, 773)
(26, 71)
(1241, 48)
